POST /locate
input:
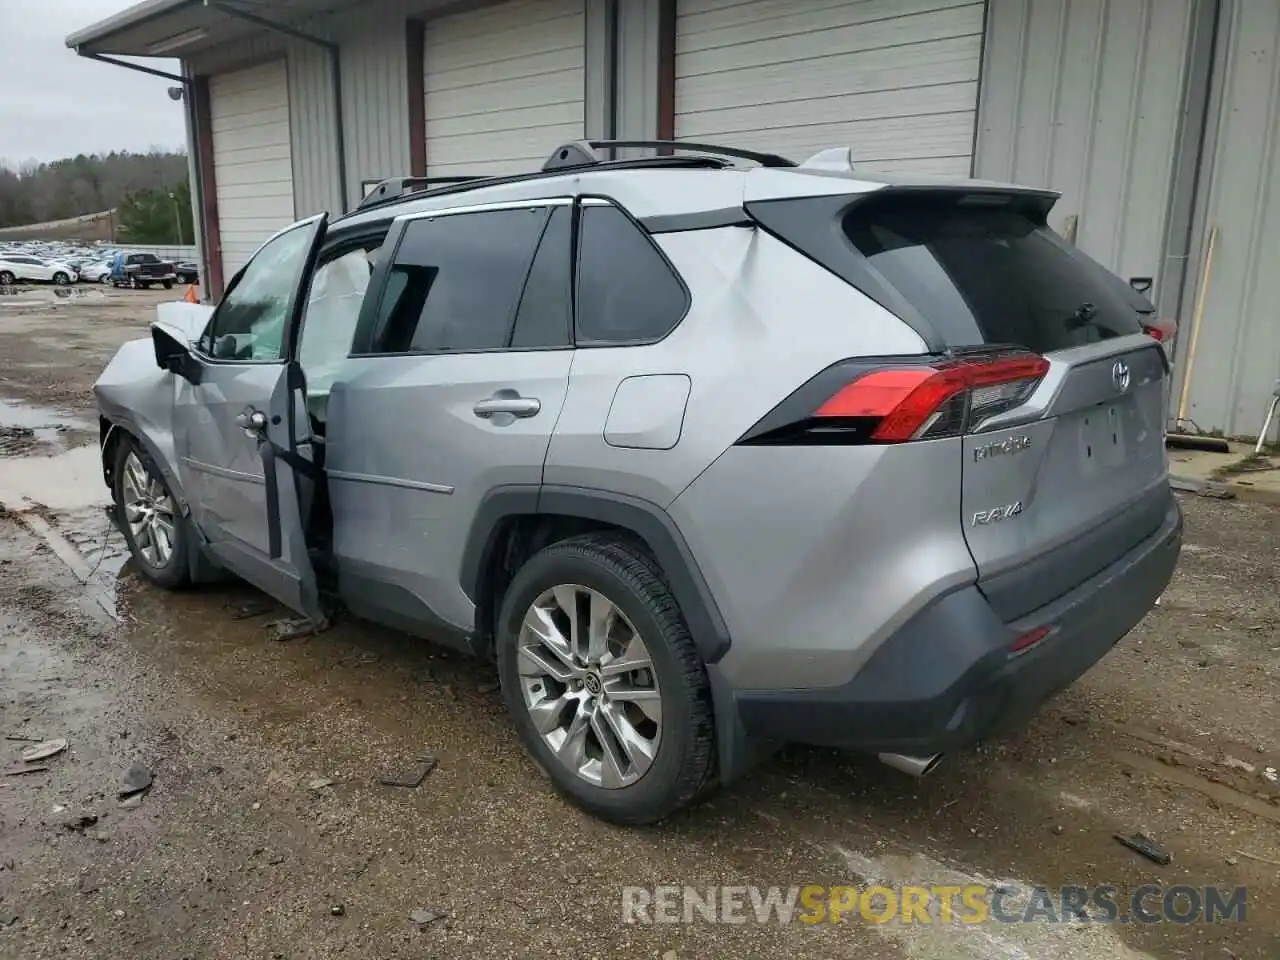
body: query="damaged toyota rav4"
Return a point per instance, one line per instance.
(709, 451)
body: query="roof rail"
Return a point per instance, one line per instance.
(397, 187)
(582, 153)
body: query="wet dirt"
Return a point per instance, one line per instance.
(241, 849)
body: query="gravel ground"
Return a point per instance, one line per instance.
(267, 834)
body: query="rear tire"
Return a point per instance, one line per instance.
(672, 755)
(6, 278)
(168, 284)
(153, 526)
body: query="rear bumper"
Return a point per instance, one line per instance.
(948, 677)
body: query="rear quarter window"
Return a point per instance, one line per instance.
(984, 271)
(627, 291)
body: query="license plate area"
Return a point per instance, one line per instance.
(1103, 436)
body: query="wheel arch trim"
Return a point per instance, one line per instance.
(645, 520)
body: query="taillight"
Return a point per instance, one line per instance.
(864, 402)
(1162, 330)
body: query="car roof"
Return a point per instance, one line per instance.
(662, 186)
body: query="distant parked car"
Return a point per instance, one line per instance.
(188, 271)
(141, 270)
(20, 266)
(97, 271)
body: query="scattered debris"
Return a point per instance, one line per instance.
(338, 910)
(42, 751)
(1270, 774)
(1141, 843)
(17, 739)
(1231, 861)
(291, 628)
(250, 609)
(424, 916)
(136, 779)
(319, 783)
(1258, 859)
(1234, 764)
(131, 802)
(413, 778)
(19, 771)
(81, 823)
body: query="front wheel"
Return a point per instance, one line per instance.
(168, 284)
(606, 688)
(105, 278)
(153, 527)
(61, 279)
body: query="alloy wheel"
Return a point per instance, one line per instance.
(590, 687)
(148, 509)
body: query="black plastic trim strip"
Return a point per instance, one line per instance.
(700, 220)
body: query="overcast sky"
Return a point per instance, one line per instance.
(55, 104)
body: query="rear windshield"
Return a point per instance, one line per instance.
(982, 271)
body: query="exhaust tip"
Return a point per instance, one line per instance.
(912, 766)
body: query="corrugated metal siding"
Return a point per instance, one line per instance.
(253, 167)
(375, 99)
(1238, 347)
(1085, 97)
(637, 80)
(894, 79)
(312, 129)
(375, 95)
(505, 85)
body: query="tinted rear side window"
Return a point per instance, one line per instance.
(457, 280)
(627, 292)
(983, 273)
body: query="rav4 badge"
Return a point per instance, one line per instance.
(996, 514)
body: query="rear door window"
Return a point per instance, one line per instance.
(981, 270)
(457, 280)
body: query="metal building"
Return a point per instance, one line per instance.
(1158, 120)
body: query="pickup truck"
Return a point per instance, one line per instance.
(141, 270)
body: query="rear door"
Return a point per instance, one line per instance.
(459, 371)
(1064, 484)
(241, 429)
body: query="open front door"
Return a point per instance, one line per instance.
(241, 428)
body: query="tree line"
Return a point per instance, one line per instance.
(89, 183)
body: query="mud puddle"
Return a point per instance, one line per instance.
(33, 430)
(11, 296)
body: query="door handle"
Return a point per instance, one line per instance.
(516, 406)
(252, 422)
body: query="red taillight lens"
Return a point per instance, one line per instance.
(1163, 330)
(945, 399)
(1028, 640)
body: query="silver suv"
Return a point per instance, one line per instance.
(708, 457)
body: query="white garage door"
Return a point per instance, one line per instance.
(896, 80)
(253, 169)
(504, 86)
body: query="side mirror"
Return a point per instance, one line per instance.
(175, 356)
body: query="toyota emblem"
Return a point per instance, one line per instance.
(1120, 376)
